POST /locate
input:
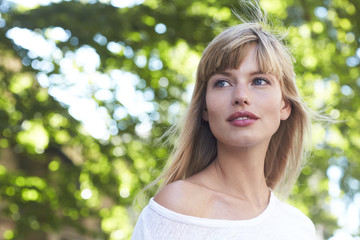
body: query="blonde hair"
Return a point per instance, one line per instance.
(196, 148)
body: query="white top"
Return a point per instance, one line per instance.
(279, 221)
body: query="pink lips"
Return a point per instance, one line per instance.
(242, 119)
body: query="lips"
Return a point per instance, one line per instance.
(242, 119)
(243, 115)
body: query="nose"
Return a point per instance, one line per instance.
(241, 96)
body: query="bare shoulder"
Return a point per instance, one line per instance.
(180, 196)
(170, 192)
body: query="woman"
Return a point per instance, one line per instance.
(243, 136)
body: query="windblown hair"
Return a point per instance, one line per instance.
(196, 146)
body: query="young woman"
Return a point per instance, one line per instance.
(243, 136)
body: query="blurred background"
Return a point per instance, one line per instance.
(88, 87)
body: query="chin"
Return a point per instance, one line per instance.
(245, 141)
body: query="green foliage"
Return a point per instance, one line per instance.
(57, 180)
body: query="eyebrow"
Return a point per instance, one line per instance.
(257, 72)
(251, 73)
(224, 73)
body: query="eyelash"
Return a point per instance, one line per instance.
(220, 81)
(253, 82)
(262, 79)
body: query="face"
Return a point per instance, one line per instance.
(244, 106)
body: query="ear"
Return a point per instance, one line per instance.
(285, 110)
(205, 114)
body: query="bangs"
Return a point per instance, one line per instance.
(230, 57)
(270, 59)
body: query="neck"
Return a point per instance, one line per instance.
(241, 172)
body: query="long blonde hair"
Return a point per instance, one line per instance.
(196, 147)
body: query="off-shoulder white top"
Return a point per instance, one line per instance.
(279, 221)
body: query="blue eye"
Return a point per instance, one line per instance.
(221, 83)
(260, 81)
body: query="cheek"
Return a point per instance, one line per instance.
(214, 106)
(273, 105)
(212, 114)
(215, 115)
